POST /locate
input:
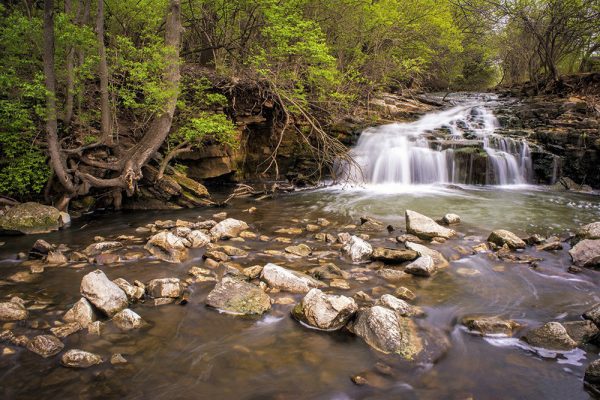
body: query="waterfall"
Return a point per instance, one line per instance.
(458, 145)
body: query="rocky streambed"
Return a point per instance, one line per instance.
(322, 294)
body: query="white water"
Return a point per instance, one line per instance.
(425, 151)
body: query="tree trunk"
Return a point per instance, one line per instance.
(105, 126)
(70, 78)
(58, 164)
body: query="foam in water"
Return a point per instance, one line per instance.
(458, 145)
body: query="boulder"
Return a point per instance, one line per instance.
(290, 281)
(501, 237)
(325, 311)
(45, 345)
(228, 228)
(29, 218)
(127, 320)
(165, 287)
(82, 312)
(386, 331)
(393, 256)
(357, 249)
(393, 303)
(12, 311)
(451, 219)
(133, 292)
(236, 296)
(551, 336)
(487, 326)
(425, 227)
(75, 358)
(438, 258)
(591, 378)
(300, 250)
(422, 266)
(103, 293)
(589, 231)
(168, 247)
(586, 253)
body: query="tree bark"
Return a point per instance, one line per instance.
(70, 78)
(105, 124)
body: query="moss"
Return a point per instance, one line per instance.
(30, 218)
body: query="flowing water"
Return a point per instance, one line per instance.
(192, 351)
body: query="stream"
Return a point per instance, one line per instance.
(192, 351)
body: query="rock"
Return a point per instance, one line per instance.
(438, 258)
(117, 359)
(107, 259)
(425, 227)
(323, 222)
(300, 250)
(593, 315)
(325, 237)
(393, 256)
(370, 224)
(75, 358)
(392, 275)
(586, 253)
(534, 239)
(357, 249)
(582, 331)
(551, 336)
(198, 239)
(127, 320)
(103, 293)
(23, 277)
(339, 284)
(40, 249)
(237, 296)
(451, 219)
(490, 326)
(65, 330)
(56, 258)
(386, 331)
(405, 293)
(12, 311)
(289, 231)
(216, 255)
(95, 328)
(133, 292)
(591, 378)
(312, 228)
(81, 312)
(29, 218)
(227, 229)
(551, 246)
(422, 266)
(393, 303)
(45, 345)
(291, 281)
(589, 231)
(328, 271)
(232, 251)
(325, 311)
(96, 248)
(501, 237)
(168, 247)
(165, 287)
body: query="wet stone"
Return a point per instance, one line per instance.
(103, 293)
(551, 336)
(237, 296)
(164, 287)
(405, 293)
(45, 345)
(501, 237)
(490, 326)
(127, 320)
(12, 311)
(75, 358)
(325, 311)
(422, 266)
(65, 330)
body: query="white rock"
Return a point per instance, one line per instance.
(291, 281)
(425, 227)
(103, 293)
(165, 287)
(357, 249)
(127, 320)
(228, 228)
(325, 311)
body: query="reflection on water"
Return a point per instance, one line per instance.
(194, 352)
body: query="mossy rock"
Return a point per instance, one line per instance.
(30, 218)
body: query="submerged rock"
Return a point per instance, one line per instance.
(405, 293)
(325, 311)
(75, 358)
(551, 336)
(490, 325)
(300, 250)
(357, 249)
(228, 228)
(82, 312)
(12, 311)
(425, 227)
(285, 279)
(586, 253)
(422, 266)
(168, 247)
(328, 271)
(393, 256)
(234, 295)
(45, 345)
(503, 237)
(451, 219)
(103, 293)
(127, 320)
(164, 287)
(29, 218)
(386, 331)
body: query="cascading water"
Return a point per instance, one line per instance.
(458, 145)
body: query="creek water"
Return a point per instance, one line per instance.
(192, 351)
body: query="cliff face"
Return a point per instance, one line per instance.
(565, 124)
